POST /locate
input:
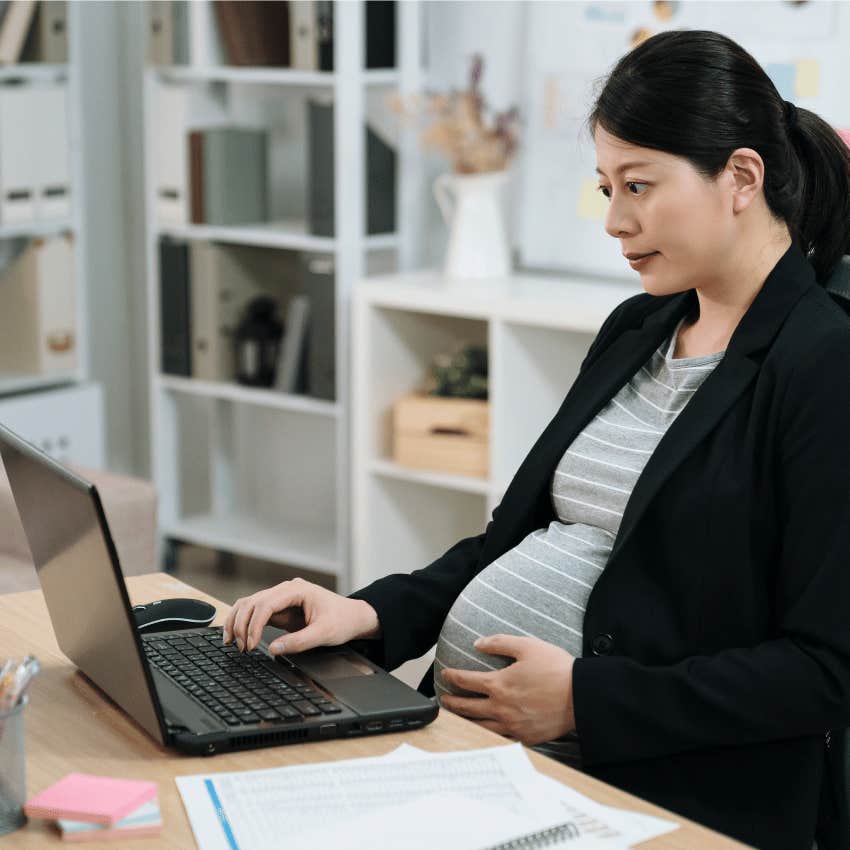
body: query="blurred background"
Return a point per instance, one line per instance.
(299, 283)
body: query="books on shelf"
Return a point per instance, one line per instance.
(48, 36)
(228, 175)
(255, 32)
(38, 333)
(222, 284)
(167, 23)
(290, 369)
(34, 167)
(380, 175)
(318, 284)
(14, 27)
(312, 34)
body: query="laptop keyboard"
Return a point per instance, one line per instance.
(239, 688)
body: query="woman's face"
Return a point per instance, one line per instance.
(663, 205)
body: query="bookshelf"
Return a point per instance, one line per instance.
(57, 406)
(537, 330)
(246, 470)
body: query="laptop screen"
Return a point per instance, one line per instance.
(78, 569)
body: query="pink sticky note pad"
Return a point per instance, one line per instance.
(92, 799)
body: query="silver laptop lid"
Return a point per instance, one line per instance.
(78, 568)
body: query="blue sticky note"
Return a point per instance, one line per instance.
(783, 75)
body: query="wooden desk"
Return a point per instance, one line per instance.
(71, 725)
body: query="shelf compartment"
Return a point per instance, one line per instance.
(252, 480)
(248, 395)
(295, 544)
(410, 525)
(446, 481)
(402, 345)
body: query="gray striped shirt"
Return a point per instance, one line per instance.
(541, 586)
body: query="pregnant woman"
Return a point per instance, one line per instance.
(662, 598)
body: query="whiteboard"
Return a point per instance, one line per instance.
(572, 45)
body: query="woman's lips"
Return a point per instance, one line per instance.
(640, 263)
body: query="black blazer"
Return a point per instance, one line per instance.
(716, 647)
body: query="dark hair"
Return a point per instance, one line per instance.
(699, 95)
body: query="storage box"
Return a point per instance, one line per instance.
(442, 434)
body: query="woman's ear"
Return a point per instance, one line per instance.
(746, 170)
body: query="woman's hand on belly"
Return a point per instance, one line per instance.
(530, 700)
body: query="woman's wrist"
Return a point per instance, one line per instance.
(370, 626)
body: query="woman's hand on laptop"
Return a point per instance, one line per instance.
(314, 616)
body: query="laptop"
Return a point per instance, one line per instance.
(183, 687)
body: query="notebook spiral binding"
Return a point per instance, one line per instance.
(544, 838)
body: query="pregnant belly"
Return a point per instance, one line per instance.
(500, 600)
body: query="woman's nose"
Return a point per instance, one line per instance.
(617, 221)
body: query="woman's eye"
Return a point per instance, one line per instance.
(607, 192)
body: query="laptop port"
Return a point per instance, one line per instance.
(374, 725)
(395, 724)
(414, 723)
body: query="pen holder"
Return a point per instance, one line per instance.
(13, 784)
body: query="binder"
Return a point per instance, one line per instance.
(303, 44)
(174, 309)
(17, 155)
(170, 154)
(160, 33)
(229, 176)
(38, 333)
(50, 149)
(380, 175)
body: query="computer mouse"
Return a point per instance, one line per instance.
(168, 614)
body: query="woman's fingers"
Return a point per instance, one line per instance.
(478, 708)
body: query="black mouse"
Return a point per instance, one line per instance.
(167, 614)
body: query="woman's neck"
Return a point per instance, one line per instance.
(721, 307)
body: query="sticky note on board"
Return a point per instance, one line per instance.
(592, 204)
(808, 78)
(784, 77)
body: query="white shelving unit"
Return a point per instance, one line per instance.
(60, 407)
(537, 330)
(252, 471)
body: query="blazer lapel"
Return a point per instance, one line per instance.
(615, 365)
(784, 286)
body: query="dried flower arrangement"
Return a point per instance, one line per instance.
(461, 125)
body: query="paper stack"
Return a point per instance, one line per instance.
(98, 808)
(491, 799)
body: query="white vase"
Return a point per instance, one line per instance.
(471, 205)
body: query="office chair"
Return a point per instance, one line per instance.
(834, 817)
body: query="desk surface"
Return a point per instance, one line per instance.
(72, 725)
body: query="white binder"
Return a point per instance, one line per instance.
(38, 333)
(49, 140)
(170, 146)
(17, 155)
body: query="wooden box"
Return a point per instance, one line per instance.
(442, 434)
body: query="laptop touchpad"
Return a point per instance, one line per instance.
(326, 666)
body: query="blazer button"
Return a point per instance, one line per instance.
(602, 644)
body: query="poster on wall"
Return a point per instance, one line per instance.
(571, 47)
